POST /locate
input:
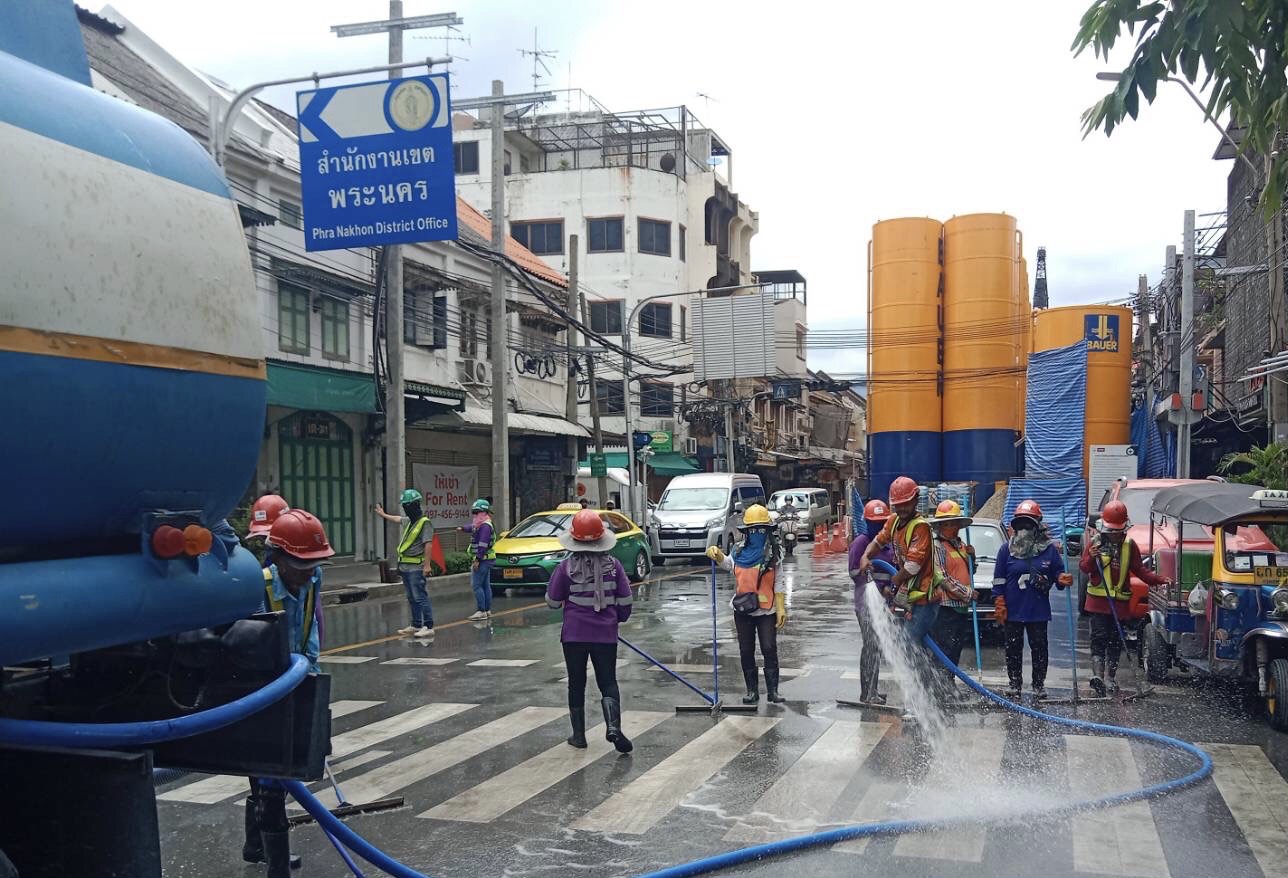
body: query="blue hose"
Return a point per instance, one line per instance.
(38, 733)
(898, 827)
(354, 842)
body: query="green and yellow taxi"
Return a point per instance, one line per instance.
(528, 553)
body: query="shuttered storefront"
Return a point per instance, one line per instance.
(453, 449)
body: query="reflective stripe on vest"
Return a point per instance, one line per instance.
(1121, 589)
(411, 540)
(918, 591)
(491, 546)
(609, 600)
(277, 606)
(957, 567)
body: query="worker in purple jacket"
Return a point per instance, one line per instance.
(591, 587)
(875, 514)
(483, 558)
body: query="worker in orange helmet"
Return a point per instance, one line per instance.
(916, 599)
(262, 515)
(955, 560)
(1114, 556)
(297, 548)
(875, 514)
(1027, 565)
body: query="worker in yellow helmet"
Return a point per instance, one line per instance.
(759, 608)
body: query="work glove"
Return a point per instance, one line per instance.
(901, 598)
(1064, 581)
(714, 553)
(999, 610)
(780, 610)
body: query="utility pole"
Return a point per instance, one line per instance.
(500, 384)
(596, 427)
(395, 401)
(1146, 332)
(570, 403)
(729, 429)
(1187, 345)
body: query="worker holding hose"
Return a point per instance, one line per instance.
(916, 600)
(297, 547)
(759, 608)
(875, 515)
(1027, 565)
(1113, 556)
(953, 557)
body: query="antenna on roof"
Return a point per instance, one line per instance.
(450, 35)
(538, 60)
(706, 97)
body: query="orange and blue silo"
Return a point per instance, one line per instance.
(983, 349)
(905, 351)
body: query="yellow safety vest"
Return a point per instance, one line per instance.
(411, 540)
(276, 606)
(491, 546)
(1121, 589)
(918, 591)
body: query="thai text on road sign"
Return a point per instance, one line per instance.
(376, 163)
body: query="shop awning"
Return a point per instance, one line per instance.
(518, 422)
(665, 463)
(451, 397)
(328, 390)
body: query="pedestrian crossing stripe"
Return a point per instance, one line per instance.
(1122, 841)
(424, 661)
(345, 659)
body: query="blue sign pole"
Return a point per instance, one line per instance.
(376, 163)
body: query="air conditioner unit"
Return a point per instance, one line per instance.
(691, 446)
(475, 372)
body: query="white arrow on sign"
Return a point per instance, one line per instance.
(353, 111)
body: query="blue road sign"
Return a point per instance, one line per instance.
(376, 163)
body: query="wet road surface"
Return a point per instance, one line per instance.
(470, 728)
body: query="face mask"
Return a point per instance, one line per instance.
(413, 511)
(479, 518)
(874, 528)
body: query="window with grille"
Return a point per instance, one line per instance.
(609, 396)
(657, 400)
(292, 318)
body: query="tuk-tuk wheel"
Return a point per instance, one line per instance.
(1277, 694)
(1157, 658)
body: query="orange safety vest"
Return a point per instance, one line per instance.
(956, 566)
(752, 579)
(921, 588)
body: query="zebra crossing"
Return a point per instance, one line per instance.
(836, 778)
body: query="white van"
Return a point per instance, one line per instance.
(588, 487)
(700, 510)
(813, 507)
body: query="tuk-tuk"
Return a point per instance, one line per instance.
(1226, 612)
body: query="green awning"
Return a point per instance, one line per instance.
(328, 390)
(665, 463)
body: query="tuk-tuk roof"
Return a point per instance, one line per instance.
(1208, 503)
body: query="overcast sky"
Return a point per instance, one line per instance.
(838, 114)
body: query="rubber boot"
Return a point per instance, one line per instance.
(577, 715)
(613, 726)
(1112, 683)
(752, 679)
(253, 847)
(771, 687)
(277, 851)
(1098, 676)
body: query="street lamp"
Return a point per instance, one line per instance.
(1110, 76)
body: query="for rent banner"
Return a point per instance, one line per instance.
(449, 491)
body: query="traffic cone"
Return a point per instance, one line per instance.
(436, 555)
(837, 543)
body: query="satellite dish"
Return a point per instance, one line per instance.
(667, 162)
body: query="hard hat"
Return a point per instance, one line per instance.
(876, 510)
(481, 505)
(300, 537)
(902, 490)
(1028, 509)
(755, 515)
(411, 495)
(264, 513)
(1114, 516)
(950, 512)
(587, 533)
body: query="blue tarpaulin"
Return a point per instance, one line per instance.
(1054, 412)
(1063, 499)
(1155, 461)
